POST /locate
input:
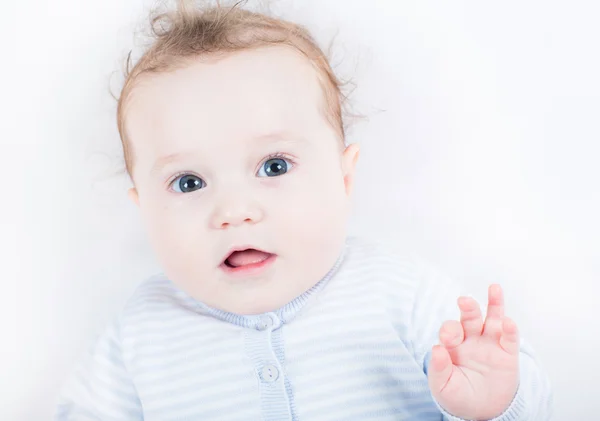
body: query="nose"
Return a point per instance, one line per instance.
(236, 211)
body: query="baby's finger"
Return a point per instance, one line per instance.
(451, 334)
(509, 340)
(470, 316)
(495, 301)
(440, 368)
(495, 312)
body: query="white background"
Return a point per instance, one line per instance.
(481, 154)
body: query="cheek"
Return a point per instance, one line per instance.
(311, 225)
(312, 202)
(176, 230)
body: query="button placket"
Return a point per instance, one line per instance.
(268, 321)
(265, 322)
(269, 373)
(263, 344)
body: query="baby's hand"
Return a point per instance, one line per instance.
(474, 374)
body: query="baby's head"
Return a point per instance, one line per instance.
(232, 131)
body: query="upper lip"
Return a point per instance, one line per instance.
(241, 248)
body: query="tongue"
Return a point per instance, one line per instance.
(247, 257)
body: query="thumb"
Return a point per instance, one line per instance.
(440, 369)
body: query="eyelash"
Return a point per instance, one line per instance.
(176, 176)
(276, 155)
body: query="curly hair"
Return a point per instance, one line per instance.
(190, 32)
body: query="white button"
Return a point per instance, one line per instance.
(265, 322)
(269, 373)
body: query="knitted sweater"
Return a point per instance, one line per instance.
(356, 346)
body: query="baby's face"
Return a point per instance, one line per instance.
(237, 154)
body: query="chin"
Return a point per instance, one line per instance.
(257, 309)
(252, 307)
(264, 305)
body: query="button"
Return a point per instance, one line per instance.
(265, 322)
(269, 373)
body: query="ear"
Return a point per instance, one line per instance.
(349, 158)
(133, 196)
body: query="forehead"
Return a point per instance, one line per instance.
(226, 101)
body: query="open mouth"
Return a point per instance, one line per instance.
(247, 259)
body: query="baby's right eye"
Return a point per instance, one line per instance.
(187, 183)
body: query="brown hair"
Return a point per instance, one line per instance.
(190, 32)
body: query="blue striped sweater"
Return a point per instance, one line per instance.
(356, 346)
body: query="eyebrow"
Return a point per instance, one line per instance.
(276, 136)
(163, 161)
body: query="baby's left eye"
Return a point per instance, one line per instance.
(274, 167)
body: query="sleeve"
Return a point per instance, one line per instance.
(434, 303)
(100, 389)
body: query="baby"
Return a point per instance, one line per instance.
(232, 132)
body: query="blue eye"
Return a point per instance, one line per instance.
(274, 167)
(188, 183)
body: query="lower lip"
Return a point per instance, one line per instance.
(250, 270)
